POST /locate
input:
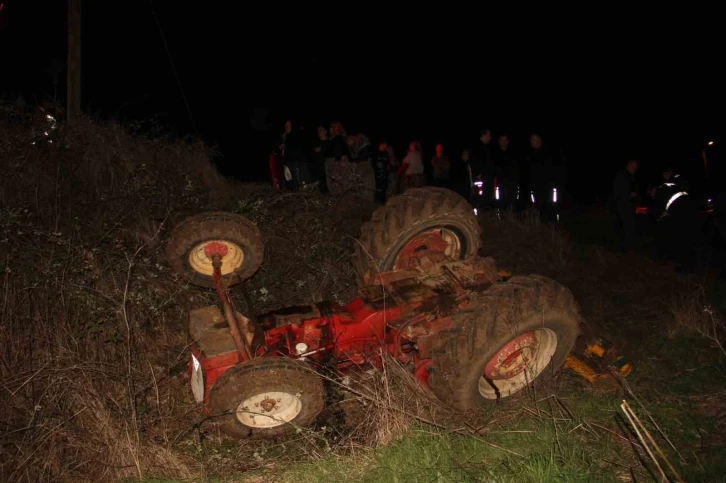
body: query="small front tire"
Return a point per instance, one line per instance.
(266, 397)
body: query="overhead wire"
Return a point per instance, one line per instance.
(173, 66)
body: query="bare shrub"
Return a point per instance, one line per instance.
(693, 313)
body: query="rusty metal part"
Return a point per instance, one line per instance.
(268, 405)
(243, 347)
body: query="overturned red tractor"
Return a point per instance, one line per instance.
(470, 333)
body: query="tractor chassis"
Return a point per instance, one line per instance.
(400, 312)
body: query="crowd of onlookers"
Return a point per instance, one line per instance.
(490, 171)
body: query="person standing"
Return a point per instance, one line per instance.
(381, 164)
(276, 167)
(440, 166)
(337, 165)
(320, 147)
(482, 158)
(622, 207)
(506, 172)
(412, 167)
(393, 178)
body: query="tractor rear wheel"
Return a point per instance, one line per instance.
(240, 238)
(426, 218)
(265, 397)
(514, 335)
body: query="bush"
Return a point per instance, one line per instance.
(85, 297)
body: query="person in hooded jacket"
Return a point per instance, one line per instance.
(320, 147)
(381, 167)
(622, 205)
(294, 157)
(544, 176)
(337, 164)
(482, 159)
(506, 172)
(677, 230)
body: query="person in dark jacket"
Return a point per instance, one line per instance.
(320, 147)
(677, 227)
(672, 176)
(294, 156)
(276, 167)
(541, 167)
(465, 173)
(506, 172)
(381, 166)
(337, 163)
(482, 159)
(622, 206)
(440, 167)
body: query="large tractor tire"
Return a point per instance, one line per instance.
(241, 238)
(266, 397)
(514, 335)
(421, 218)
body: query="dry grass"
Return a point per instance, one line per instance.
(381, 405)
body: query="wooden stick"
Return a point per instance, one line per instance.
(657, 448)
(642, 441)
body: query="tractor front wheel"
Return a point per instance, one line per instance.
(265, 397)
(514, 335)
(231, 235)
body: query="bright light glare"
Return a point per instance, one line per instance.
(710, 143)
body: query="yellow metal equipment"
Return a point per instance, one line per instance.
(601, 355)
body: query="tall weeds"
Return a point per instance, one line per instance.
(83, 299)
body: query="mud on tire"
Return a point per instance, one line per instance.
(184, 250)
(404, 217)
(525, 308)
(296, 391)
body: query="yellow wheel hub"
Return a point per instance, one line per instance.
(202, 264)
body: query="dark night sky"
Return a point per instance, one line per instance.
(600, 95)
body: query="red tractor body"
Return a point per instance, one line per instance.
(400, 315)
(466, 331)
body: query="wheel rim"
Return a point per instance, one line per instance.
(269, 409)
(202, 264)
(439, 240)
(518, 363)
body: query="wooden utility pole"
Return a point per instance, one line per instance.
(73, 89)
